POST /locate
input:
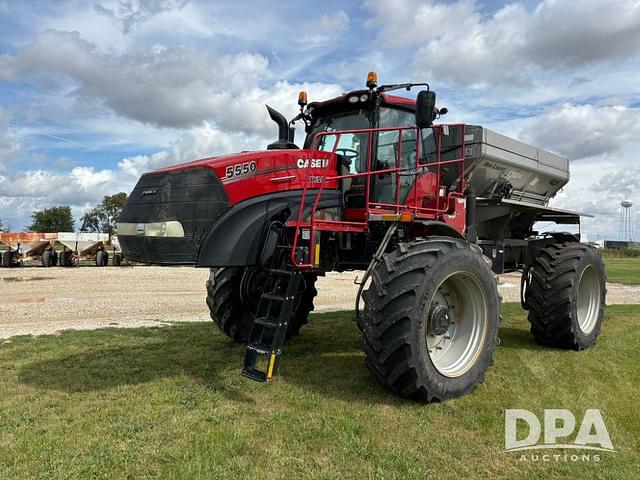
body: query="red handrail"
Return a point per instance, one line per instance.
(397, 207)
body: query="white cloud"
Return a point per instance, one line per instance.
(583, 131)
(198, 142)
(172, 87)
(597, 187)
(458, 42)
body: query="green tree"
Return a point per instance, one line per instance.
(54, 219)
(103, 218)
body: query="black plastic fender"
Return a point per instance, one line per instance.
(237, 238)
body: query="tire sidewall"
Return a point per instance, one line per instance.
(590, 258)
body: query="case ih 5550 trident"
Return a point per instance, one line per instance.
(431, 212)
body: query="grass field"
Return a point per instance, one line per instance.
(623, 270)
(169, 402)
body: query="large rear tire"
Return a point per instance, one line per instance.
(233, 312)
(566, 296)
(431, 317)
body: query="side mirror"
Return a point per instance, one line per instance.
(425, 108)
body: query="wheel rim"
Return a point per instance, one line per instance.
(588, 304)
(456, 350)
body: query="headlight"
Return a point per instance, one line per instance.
(172, 228)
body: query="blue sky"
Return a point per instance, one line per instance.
(93, 93)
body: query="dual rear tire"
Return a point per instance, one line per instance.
(566, 296)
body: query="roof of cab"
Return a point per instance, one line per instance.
(386, 98)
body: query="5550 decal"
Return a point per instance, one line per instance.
(240, 169)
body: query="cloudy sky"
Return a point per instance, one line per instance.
(93, 93)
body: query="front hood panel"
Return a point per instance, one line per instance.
(249, 174)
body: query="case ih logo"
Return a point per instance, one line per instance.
(559, 426)
(313, 162)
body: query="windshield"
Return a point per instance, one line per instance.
(351, 120)
(352, 147)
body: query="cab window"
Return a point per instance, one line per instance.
(394, 148)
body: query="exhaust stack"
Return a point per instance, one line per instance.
(285, 134)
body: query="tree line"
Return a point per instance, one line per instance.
(101, 219)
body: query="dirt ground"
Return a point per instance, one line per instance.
(35, 300)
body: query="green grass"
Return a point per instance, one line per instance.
(623, 270)
(633, 252)
(169, 402)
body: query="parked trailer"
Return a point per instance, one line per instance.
(14, 241)
(62, 248)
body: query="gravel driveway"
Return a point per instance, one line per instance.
(35, 300)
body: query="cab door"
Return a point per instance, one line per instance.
(395, 148)
(351, 150)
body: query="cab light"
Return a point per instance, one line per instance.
(302, 98)
(372, 80)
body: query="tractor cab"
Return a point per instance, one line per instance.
(391, 161)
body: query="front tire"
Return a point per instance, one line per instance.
(234, 313)
(431, 317)
(566, 296)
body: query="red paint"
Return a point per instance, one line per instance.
(400, 101)
(423, 192)
(457, 218)
(271, 164)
